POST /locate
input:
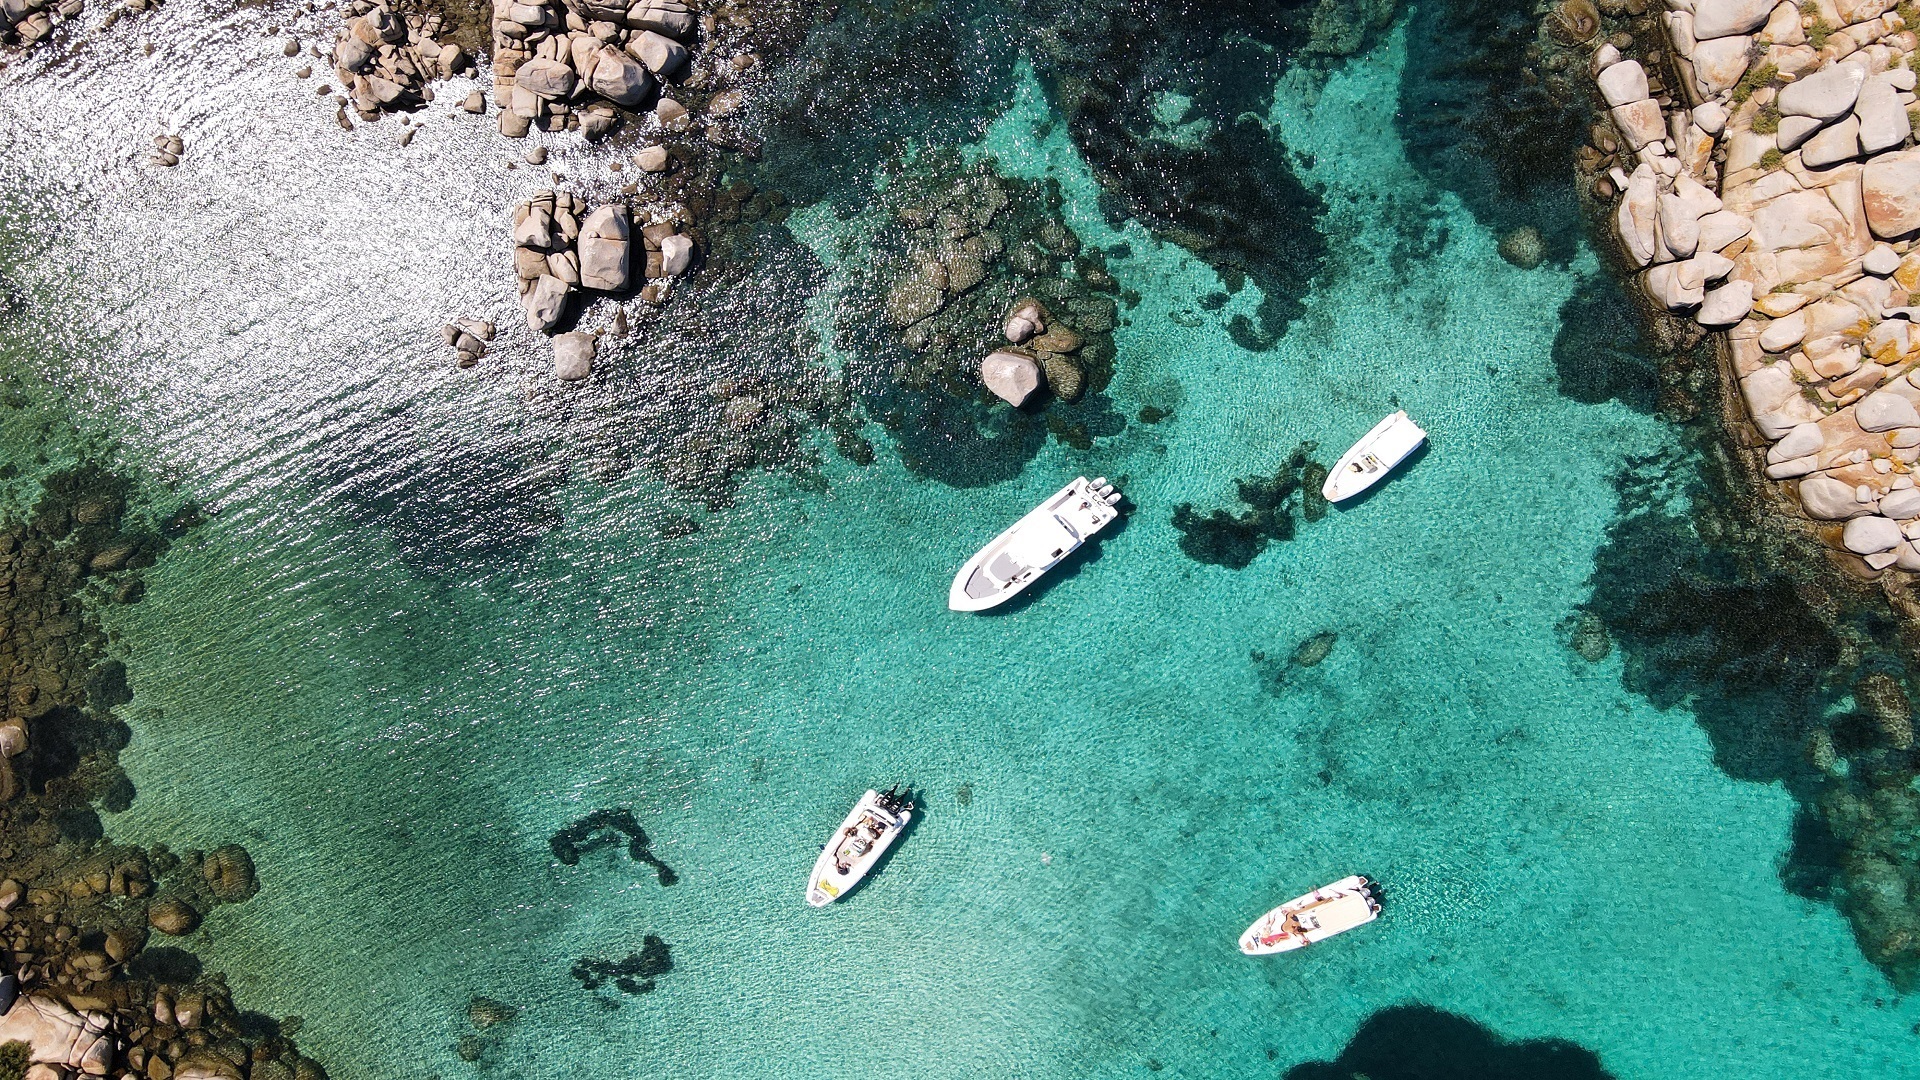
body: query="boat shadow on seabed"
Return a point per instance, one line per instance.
(1400, 467)
(1068, 568)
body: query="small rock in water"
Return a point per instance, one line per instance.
(407, 135)
(291, 48)
(572, 356)
(1315, 649)
(485, 1012)
(1587, 636)
(1523, 247)
(303, 72)
(1013, 377)
(537, 156)
(476, 102)
(653, 159)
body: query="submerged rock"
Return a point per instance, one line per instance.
(573, 356)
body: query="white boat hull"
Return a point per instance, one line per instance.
(1369, 461)
(1034, 545)
(1317, 916)
(854, 849)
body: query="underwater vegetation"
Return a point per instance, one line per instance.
(633, 974)
(603, 829)
(1224, 538)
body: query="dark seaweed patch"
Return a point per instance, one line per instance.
(635, 974)
(1419, 1042)
(606, 829)
(1224, 189)
(1600, 352)
(1482, 115)
(1223, 538)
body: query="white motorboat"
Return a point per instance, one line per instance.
(875, 823)
(1035, 544)
(1317, 916)
(1373, 457)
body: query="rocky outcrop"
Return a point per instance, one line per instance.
(1013, 376)
(1755, 213)
(575, 64)
(560, 249)
(385, 60)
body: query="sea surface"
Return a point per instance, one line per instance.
(420, 637)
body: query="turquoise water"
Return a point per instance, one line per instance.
(1113, 785)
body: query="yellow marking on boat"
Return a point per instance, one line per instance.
(824, 887)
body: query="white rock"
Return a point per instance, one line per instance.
(619, 78)
(1603, 58)
(1801, 441)
(1883, 119)
(1865, 535)
(545, 303)
(1719, 64)
(1783, 334)
(1726, 305)
(1905, 437)
(1826, 94)
(1890, 193)
(1832, 145)
(1885, 410)
(1711, 116)
(606, 262)
(1721, 18)
(1792, 467)
(1795, 130)
(1901, 504)
(1880, 260)
(676, 254)
(1641, 122)
(1635, 219)
(661, 54)
(1702, 268)
(1907, 556)
(1680, 212)
(1880, 560)
(1722, 227)
(1825, 497)
(1012, 376)
(1769, 387)
(1623, 82)
(1665, 286)
(572, 356)
(550, 79)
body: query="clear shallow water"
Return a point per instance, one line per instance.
(1113, 786)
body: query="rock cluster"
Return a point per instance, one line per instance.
(1041, 344)
(30, 21)
(559, 249)
(1781, 207)
(967, 257)
(385, 59)
(468, 339)
(76, 909)
(167, 150)
(567, 64)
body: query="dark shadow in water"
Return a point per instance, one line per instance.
(1479, 118)
(1225, 189)
(634, 974)
(1710, 627)
(1223, 538)
(1601, 352)
(607, 829)
(1419, 1042)
(165, 963)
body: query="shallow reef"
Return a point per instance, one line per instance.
(1224, 538)
(1797, 674)
(81, 909)
(1419, 1042)
(1164, 111)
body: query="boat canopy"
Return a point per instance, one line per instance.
(1043, 543)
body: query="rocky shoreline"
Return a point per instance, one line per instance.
(89, 987)
(1774, 200)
